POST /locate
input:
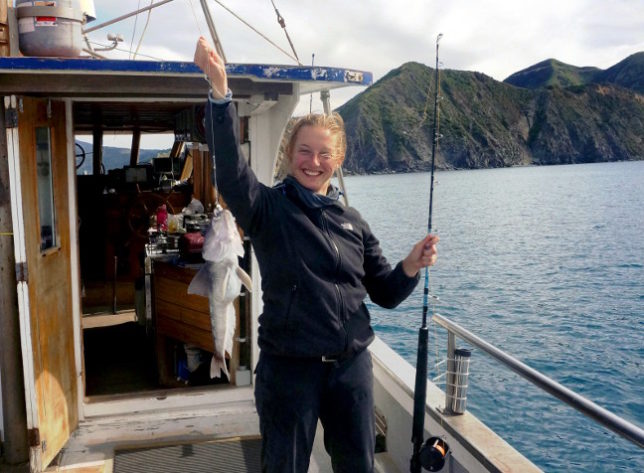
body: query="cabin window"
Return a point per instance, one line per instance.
(46, 207)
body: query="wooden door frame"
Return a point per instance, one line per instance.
(20, 251)
(20, 245)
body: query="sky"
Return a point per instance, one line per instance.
(495, 37)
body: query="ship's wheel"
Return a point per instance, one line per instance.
(146, 204)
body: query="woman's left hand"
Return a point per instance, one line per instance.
(423, 254)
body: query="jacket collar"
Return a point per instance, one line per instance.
(310, 198)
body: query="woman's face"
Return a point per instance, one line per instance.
(312, 162)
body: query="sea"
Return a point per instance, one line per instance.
(546, 263)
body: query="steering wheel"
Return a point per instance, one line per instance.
(82, 155)
(138, 217)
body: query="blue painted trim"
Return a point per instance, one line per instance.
(260, 71)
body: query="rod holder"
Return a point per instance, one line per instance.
(458, 370)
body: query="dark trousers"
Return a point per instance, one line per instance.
(291, 394)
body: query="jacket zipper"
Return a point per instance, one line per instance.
(338, 264)
(289, 307)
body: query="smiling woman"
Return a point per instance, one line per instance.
(315, 328)
(315, 149)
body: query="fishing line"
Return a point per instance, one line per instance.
(212, 134)
(194, 15)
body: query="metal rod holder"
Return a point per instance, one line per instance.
(458, 370)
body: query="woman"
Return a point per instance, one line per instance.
(318, 261)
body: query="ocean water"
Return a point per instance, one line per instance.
(546, 263)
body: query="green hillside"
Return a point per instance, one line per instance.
(552, 73)
(486, 123)
(628, 73)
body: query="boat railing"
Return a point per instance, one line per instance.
(600, 415)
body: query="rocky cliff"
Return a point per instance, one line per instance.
(568, 116)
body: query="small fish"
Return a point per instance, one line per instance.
(222, 247)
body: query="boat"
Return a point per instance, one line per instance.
(93, 287)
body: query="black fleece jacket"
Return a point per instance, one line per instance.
(318, 259)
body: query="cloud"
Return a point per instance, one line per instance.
(496, 37)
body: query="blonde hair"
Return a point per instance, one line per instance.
(333, 123)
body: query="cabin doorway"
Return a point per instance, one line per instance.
(142, 333)
(115, 201)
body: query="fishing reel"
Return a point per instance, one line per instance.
(433, 454)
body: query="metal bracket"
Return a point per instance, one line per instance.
(10, 118)
(33, 437)
(22, 275)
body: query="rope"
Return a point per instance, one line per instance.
(6, 233)
(282, 23)
(257, 31)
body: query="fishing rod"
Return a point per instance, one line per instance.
(431, 455)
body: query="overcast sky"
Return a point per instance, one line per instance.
(496, 37)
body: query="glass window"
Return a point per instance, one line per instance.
(46, 208)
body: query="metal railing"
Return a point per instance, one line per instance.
(600, 415)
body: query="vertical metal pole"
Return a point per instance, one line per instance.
(450, 380)
(116, 267)
(325, 96)
(213, 31)
(311, 96)
(136, 146)
(97, 149)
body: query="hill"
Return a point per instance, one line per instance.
(552, 73)
(628, 73)
(486, 123)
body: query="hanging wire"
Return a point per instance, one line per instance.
(96, 43)
(282, 22)
(257, 31)
(136, 18)
(145, 28)
(311, 96)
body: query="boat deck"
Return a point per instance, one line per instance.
(224, 438)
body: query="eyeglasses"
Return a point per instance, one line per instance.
(322, 155)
